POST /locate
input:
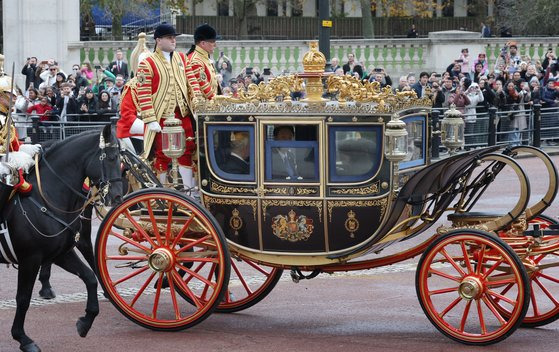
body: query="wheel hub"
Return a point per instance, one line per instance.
(161, 260)
(470, 288)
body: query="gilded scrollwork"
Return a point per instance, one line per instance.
(368, 190)
(216, 187)
(292, 203)
(305, 191)
(382, 203)
(208, 201)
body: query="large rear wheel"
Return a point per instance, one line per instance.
(459, 277)
(144, 242)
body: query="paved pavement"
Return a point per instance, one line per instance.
(361, 311)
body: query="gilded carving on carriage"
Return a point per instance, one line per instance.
(291, 227)
(209, 201)
(382, 203)
(306, 191)
(236, 222)
(219, 188)
(363, 191)
(351, 224)
(292, 203)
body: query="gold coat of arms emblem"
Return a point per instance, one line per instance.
(292, 228)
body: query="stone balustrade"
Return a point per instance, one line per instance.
(396, 56)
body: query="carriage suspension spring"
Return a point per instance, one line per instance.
(297, 275)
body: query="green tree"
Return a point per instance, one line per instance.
(528, 17)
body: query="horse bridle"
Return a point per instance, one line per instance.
(103, 185)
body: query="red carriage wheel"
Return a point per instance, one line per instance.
(458, 279)
(249, 284)
(544, 280)
(143, 243)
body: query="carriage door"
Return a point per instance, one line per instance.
(290, 188)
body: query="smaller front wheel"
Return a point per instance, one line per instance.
(144, 243)
(459, 278)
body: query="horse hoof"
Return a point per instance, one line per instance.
(30, 347)
(83, 326)
(47, 293)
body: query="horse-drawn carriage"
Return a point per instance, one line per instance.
(324, 185)
(353, 177)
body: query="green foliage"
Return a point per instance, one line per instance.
(536, 17)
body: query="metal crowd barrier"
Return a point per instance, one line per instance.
(30, 129)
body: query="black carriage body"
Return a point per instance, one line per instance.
(340, 198)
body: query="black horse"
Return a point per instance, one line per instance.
(44, 225)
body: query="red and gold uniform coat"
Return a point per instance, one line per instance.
(201, 74)
(128, 108)
(162, 90)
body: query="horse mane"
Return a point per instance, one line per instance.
(49, 146)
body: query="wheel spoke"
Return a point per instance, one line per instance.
(259, 268)
(196, 275)
(500, 297)
(154, 224)
(210, 274)
(186, 289)
(130, 241)
(466, 258)
(493, 310)
(192, 244)
(546, 291)
(500, 282)
(142, 289)
(443, 274)
(131, 275)
(198, 260)
(481, 319)
(493, 267)
(453, 262)
(169, 222)
(139, 228)
(183, 231)
(550, 278)
(174, 296)
(480, 259)
(465, 316)
(241, 278)
(450, 306)
(157, 296)
(442, 290)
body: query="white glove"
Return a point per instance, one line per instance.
(154, 126)
(30, 149)
(126, 143)
(137, 127)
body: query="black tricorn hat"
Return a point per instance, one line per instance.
(164, 29)
(204, 32)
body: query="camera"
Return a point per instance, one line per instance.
(267, 72)
(378, 69)
(249, 71)
(97, 67)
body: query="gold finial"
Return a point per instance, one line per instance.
(139, 52)
(314, 61)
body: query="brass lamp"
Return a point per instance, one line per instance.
(173, 144)
(452, 129)
(396, 147)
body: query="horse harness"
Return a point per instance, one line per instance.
(7, 253)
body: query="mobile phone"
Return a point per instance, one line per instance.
(437, 75)
(459, 60)
(267, 72)
(98, 67)
(378, 69)
(249, 71)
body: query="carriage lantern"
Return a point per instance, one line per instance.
(452, 129)
(396, 139)
(173, 143)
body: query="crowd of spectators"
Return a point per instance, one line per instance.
(87, 94)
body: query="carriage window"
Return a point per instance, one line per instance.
(291, 153)
(231, 152)
(354, 152)
(416, 127)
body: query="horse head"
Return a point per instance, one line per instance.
(104, 171)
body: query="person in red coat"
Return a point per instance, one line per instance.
(42, 109)
(129, 127)
(162, 91)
